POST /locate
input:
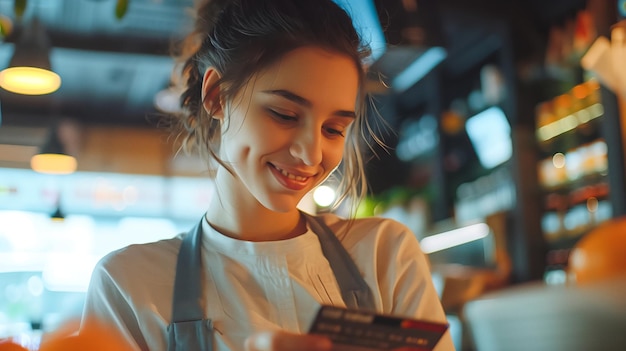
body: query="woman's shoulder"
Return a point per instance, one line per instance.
(141, 258)
(136, 279)
(368, 237)
(359, 230)
(364, 224)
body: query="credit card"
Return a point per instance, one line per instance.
(356, 330)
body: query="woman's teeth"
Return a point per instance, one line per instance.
(291, 176)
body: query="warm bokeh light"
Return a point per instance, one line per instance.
(53, 164)
(324, 195)
(569, 122)
(558, 160)
(29, 80)
(592, 204)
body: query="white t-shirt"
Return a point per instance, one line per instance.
(254, 286)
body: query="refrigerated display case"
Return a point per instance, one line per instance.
(572, 169)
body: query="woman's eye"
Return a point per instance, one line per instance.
(282, 116)
(333, 131)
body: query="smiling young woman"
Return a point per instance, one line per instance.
(282, 137)
(275, 96)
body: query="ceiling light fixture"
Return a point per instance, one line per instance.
(57, 215)
(168, 100)
(30, 71)
(53, 159)
(455, 237)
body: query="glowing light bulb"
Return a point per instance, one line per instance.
(324, 195)
(29, 80)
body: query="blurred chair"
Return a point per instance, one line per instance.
(551, 318)
(589, 313)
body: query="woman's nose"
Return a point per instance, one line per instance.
(307, 146)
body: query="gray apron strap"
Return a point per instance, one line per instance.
(354, 290)
(189, 329)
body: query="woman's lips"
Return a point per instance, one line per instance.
(290, 180)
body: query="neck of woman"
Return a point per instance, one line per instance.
(260, 225)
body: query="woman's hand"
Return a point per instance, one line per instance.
(283, 341)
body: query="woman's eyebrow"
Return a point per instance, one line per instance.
(304, 102)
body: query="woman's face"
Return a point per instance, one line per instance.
(284, 133)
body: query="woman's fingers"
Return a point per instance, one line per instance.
(283, 341)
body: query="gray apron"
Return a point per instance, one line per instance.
(191, 331)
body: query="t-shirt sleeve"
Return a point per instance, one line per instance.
(414, 291)
(403, 270)
(106, 308)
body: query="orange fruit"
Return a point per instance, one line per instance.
(601, 253)
(8, 345)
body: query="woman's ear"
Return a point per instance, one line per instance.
(211, 94)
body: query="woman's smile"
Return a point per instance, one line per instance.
(292, 180)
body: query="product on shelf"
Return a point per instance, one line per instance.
(572, 170)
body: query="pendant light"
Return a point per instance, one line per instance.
(53, 158)
(30, 71)
(57, 215)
